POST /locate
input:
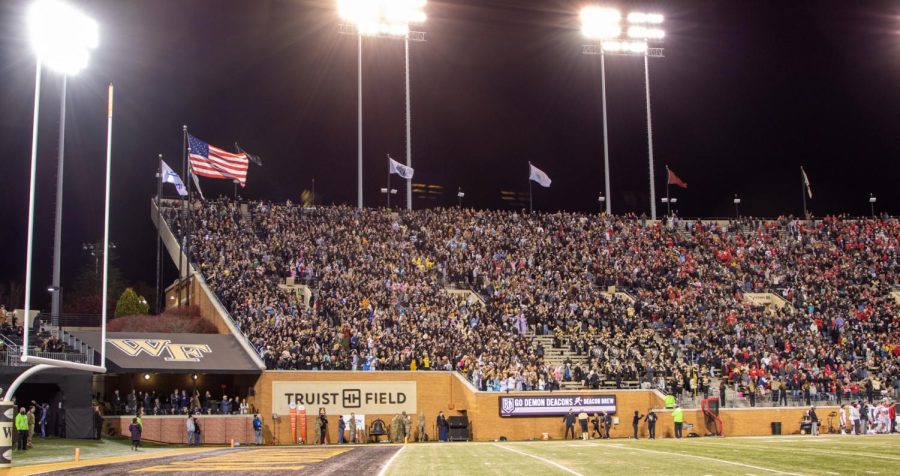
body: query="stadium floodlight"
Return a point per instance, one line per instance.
(737, 205)
(645, 18)
(62, 36)
(391, 19)
(600, 23)
(872, 200)
(631, 37)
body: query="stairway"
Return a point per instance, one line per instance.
(556, 357)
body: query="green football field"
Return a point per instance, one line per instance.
(825, 455)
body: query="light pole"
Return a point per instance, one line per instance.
(388, 193)
(670, 202)
(872, 200)
(737, 206)
(459, 196)
(601, 199)
(386, 19)
(62, 38)
(96, 250)
(629, 38)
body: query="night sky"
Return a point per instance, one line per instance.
(747, 92)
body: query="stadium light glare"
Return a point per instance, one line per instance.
(382, 17)
(62, 36)
(600, 22)
(642, 32)
(645, 18)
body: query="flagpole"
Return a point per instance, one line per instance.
(190, 219)
(530, 202)
(388, 193)
(668, 200)
(803, 192)
(158, 233)
(183, 219)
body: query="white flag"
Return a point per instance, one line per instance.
(539, 176)
(806, 182)
(403, 171)
(169, 176)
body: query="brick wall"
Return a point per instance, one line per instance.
(445, 391)
(172, 429)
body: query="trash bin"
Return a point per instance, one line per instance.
(776, 427)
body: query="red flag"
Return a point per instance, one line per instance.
(674, 180)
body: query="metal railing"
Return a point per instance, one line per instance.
(13, 358)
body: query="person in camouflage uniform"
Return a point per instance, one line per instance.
(395, 429)
(421, 435)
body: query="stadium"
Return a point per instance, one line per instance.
(477, 332)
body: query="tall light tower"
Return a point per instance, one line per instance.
(385, 19)
(62, 38)
(631, 37)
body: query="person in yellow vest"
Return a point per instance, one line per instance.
(22, 428)
(678, 418)
(669, 401)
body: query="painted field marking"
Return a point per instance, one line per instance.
(707, 458)
(552, 463)
(260, 459)
(389, 461)
(806, 450)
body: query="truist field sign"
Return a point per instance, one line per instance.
(338, 398)
(556, 405)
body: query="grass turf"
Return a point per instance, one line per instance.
(824, 455)
(54, 450)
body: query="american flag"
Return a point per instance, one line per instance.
(213, 162)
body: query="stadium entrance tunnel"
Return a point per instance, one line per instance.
(67, 395)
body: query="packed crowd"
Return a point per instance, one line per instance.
(380, 297)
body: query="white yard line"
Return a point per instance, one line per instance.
(391, 460)
(552, 463)
(707, 458)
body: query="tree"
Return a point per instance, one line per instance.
(131, 304)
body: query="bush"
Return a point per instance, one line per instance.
(131, 304)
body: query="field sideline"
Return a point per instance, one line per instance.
(824, 455)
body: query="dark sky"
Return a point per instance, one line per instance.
(748, 91)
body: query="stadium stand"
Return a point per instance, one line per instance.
(677, 319)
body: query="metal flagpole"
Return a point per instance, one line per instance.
(649, 139)
(30, 242)
(668, 200)
(408, 130)
(105, 298)
(605, 133)
(158, 233)
(530, 202)
(183, 218)
(388, 189)
(190, 219)
(803, 191)
(359, 138)
(57, 232)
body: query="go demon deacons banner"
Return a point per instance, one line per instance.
(338, 398)
(555, 405)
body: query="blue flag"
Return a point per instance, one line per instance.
(169, 176)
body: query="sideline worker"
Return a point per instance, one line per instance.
(678, 417)
(22, 428)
